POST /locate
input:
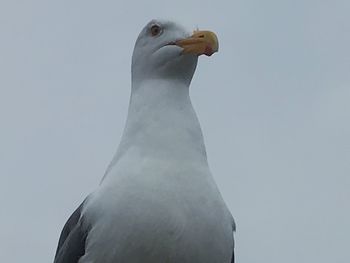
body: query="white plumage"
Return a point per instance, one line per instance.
(158, 201)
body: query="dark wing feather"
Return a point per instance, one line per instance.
(71, 245)
(233, 256)
(233, 245)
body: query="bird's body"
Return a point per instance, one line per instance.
(158, 201)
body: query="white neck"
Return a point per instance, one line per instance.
(161, 124)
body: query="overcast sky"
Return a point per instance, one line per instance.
(274, 106)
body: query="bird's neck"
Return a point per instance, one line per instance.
(161, 124)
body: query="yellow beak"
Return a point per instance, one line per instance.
(200, 43)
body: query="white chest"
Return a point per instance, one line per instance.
(172, 218)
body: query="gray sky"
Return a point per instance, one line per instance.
(274, 105)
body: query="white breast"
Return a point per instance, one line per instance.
(174, 214)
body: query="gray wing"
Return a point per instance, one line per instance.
(71, 245)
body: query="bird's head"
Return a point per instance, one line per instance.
(166, 50)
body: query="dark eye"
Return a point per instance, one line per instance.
(155, 30)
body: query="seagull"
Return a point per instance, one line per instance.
(158, 201)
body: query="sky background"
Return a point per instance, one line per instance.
(274, 105)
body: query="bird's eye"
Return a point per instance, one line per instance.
(155, 30)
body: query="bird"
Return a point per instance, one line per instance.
(158, 201)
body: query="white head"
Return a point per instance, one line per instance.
(166, 50)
